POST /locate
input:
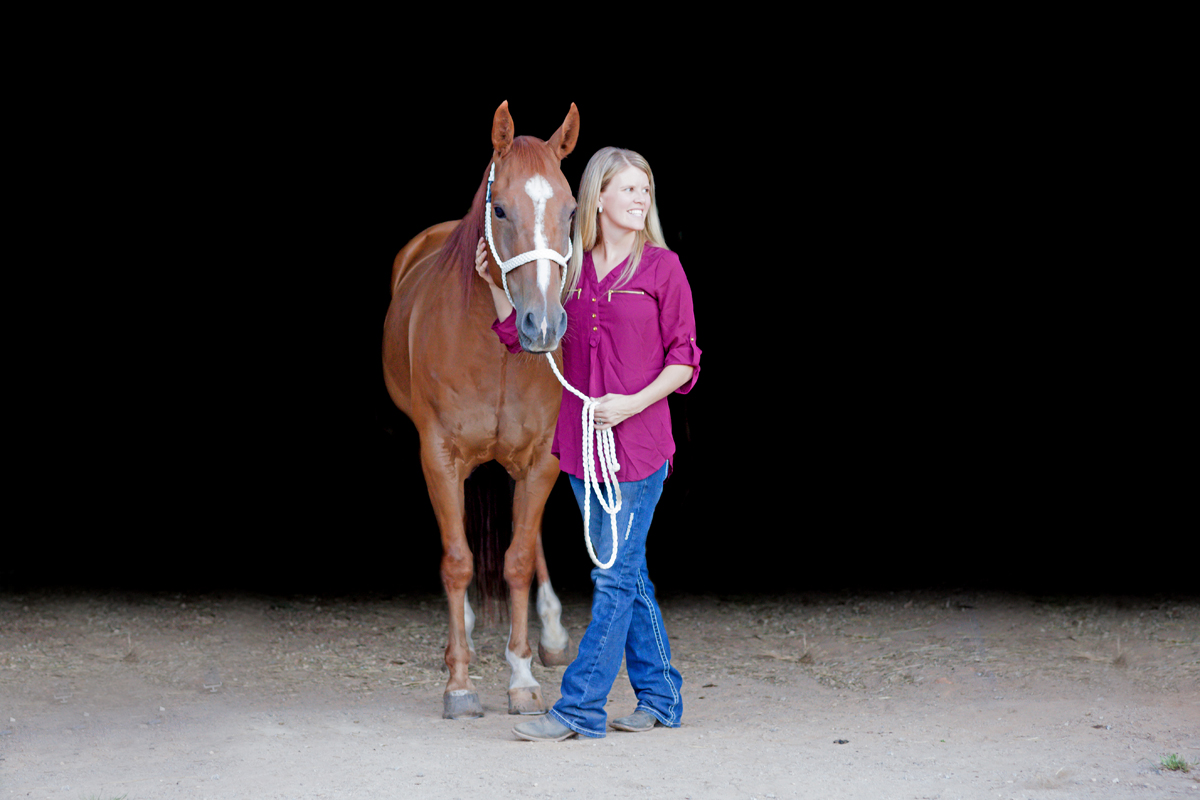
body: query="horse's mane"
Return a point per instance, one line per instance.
(458, 251)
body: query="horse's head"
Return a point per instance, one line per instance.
(530, 218)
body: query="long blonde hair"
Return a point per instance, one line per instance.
(597, 174)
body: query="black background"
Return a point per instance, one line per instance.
(894, 393)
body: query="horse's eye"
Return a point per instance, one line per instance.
(499, 212)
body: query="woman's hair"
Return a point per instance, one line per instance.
(605, 164)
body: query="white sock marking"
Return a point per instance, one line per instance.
(469, 618)
(554, 635)
(522, 675)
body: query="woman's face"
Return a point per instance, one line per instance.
(625, 202)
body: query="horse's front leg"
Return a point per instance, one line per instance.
(529, 502)
(554, 645)
(445, 483)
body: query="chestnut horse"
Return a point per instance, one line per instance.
(472, 401)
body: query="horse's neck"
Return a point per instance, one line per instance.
(475, 309)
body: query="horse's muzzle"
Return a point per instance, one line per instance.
(539, 332)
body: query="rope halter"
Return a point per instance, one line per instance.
(523, 258)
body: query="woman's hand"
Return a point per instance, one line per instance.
(613, 409)
(499, 299)
(481, 263)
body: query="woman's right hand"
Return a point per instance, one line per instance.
(481, 263)
(499, 299)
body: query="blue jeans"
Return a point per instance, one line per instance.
(625, 620)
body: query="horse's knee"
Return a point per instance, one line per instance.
(518, 568)
(457, 569)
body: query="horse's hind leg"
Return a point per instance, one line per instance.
(529, 501)
(445, 484)
(554, 645)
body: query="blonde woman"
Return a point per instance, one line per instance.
(630, 342)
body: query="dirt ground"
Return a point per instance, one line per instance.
(893, 695)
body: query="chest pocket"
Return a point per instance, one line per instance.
(632, 309)
(579, 293)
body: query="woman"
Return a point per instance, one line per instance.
(631, 341)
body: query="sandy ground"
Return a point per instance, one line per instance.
(880, 696)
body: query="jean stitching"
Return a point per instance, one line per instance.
(662, 653)
(616, 606)
(612, 619)
(635, 499)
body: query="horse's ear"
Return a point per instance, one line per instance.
(502, 129)
(563, 140)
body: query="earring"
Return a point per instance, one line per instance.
(600, 209)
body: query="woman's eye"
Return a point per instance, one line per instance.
(499, 212)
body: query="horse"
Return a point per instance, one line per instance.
(472, 401)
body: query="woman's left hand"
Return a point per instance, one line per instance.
(612, 409)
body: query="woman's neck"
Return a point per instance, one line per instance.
(611, 251)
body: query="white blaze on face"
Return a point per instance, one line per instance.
(539, 191)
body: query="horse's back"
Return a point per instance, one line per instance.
(420, 248)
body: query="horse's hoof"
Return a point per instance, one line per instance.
(461, 704)
(557, 658)
(526, 700)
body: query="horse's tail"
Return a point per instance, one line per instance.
(487, 496)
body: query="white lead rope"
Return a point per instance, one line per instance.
(608, 445)
(610, 498)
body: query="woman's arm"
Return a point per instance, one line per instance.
(612, 409)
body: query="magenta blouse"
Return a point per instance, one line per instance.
(619, 340)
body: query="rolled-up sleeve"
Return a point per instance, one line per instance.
(677, 319)
(506, 330)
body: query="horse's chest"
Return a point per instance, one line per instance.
(505, 398)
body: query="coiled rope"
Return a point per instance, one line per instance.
(610, 497)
